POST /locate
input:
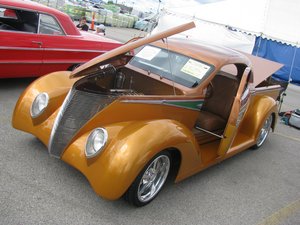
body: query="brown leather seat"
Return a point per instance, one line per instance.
(216, 109)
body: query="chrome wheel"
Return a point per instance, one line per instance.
(153, 178)
(150, 180)
(264, 132)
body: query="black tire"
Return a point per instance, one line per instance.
(134, 193)
(264, 132)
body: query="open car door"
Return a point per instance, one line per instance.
(238, 110)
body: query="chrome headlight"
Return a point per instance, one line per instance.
(95, 142)
(39, 104)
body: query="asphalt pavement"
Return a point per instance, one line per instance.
(253, 188)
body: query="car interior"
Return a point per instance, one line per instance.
(215, 111)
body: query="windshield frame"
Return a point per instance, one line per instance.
(173, 75)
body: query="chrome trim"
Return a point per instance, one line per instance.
(158, 102)
(207, 131)
(18, 31)
(50, 49)
(39, 21)
(39, 62)
(77, 109)
(163, 102)
(241, 114)
(22, 62)
(73, 50)
(265, 89)
(57, 119)
(21, 48)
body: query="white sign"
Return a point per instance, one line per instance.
(195, 68)
(148, 53)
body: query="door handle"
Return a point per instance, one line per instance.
(39, 43)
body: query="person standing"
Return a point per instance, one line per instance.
(82, 24)
(100, 30)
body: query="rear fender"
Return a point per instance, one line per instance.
(261, 107)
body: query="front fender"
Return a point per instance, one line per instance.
(56, 85)
(130, 146)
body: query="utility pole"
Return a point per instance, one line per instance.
(159, 1)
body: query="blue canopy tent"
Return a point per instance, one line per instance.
(282, 53)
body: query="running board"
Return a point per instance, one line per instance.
(206, 131)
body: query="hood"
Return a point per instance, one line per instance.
(94, 63)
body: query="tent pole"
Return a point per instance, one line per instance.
(259, 43)
(290, 79)
(292, 66)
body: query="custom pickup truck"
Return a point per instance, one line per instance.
(129, 121)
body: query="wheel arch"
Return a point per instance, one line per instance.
(176, 162)
(274, 120)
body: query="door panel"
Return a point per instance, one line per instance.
(237, 112)
(20, 47)
(20, 54)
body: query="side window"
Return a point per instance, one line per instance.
(49, 25)
(230, 69)
(8, 18)
(18, 20)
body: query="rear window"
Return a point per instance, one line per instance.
(49, 25)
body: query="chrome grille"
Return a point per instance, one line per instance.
(77, 109)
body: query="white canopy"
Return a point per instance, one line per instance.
(272, 19)
(208, 32)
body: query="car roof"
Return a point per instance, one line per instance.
(207, 52)
(63, 18)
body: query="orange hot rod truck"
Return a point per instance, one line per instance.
(175, 107)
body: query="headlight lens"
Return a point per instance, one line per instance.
(95, 142)
(39, 104)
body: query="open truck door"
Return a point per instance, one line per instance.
(239, 107)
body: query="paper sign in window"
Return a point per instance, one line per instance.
(195, 68)
(148, 53)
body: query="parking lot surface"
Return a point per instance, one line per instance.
(252, 188)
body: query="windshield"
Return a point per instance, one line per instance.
(173, 66)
